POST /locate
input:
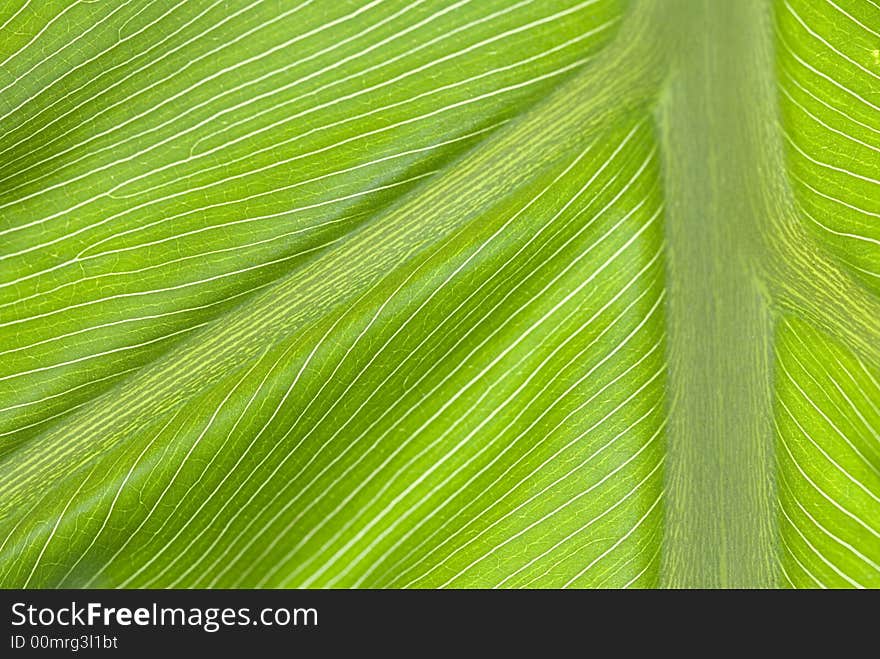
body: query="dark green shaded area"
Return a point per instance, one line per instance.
(719, 514)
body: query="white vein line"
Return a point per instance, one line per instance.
(214, 98)
(66, 45)
(41, 421)
(124, 321)
(121, 29)
(162, 264)
(41, 401)
(854, 19)
(562, 506)
(421, 45)
(788, 579)
(297, 377)
(334, 144)
(420, 69)
(852, 405)
(355, 442)
(283, 162)
(514, 442)
(15, 15)
(601, 580)
(620, 541)
(826, 165)
(193, 61)
(105, 89)
(91, 382)
(363, 332)
(822, 75)
(112, 507)
(840, 541)
(168, 564)
(131, 536)
(197, 282)
(286, 395)
(55, 529)
(830, 46)
(548, 487)
(341, 396)
(794, 557)
(8, 564)
(402, 154)
(93, 355)
(790, 78)
(174, 97)
(465, 465)
(385, 83)
(819, 121)
(357, 377)
(567, 556)
(324, 127)
(547, 410)
(38, 35)
(338, 554)
(510, 318)
(525, 566)
(869, 398)
(170, 99)
(104, 353)
(822, 492)
(273, 165)
(108, 88)
(252, 100)
(105, 72)
(843, 234)
(509, 445)
(26, 517)
(80, 258)
(641, 573)
(546, 287)
(129, 210)
(831, 423)
(348, 119)
(872, 379)
(147, 563)
(850, 478)
(841, 202)
(498, 232)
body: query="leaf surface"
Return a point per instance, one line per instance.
(439, 293)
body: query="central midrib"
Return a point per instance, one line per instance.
(720, 512)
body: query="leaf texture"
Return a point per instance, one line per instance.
(405, 294)
(826, 406)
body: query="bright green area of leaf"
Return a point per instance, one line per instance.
(439, 293)
(827, 420)
(826, 407)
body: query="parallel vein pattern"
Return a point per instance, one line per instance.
(828, 419)
(439, 293)
(492, 416)
(829, 80)
(187, 154)
(827, 396)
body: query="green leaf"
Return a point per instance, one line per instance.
(439, 293)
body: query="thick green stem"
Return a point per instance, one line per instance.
(720, 529)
